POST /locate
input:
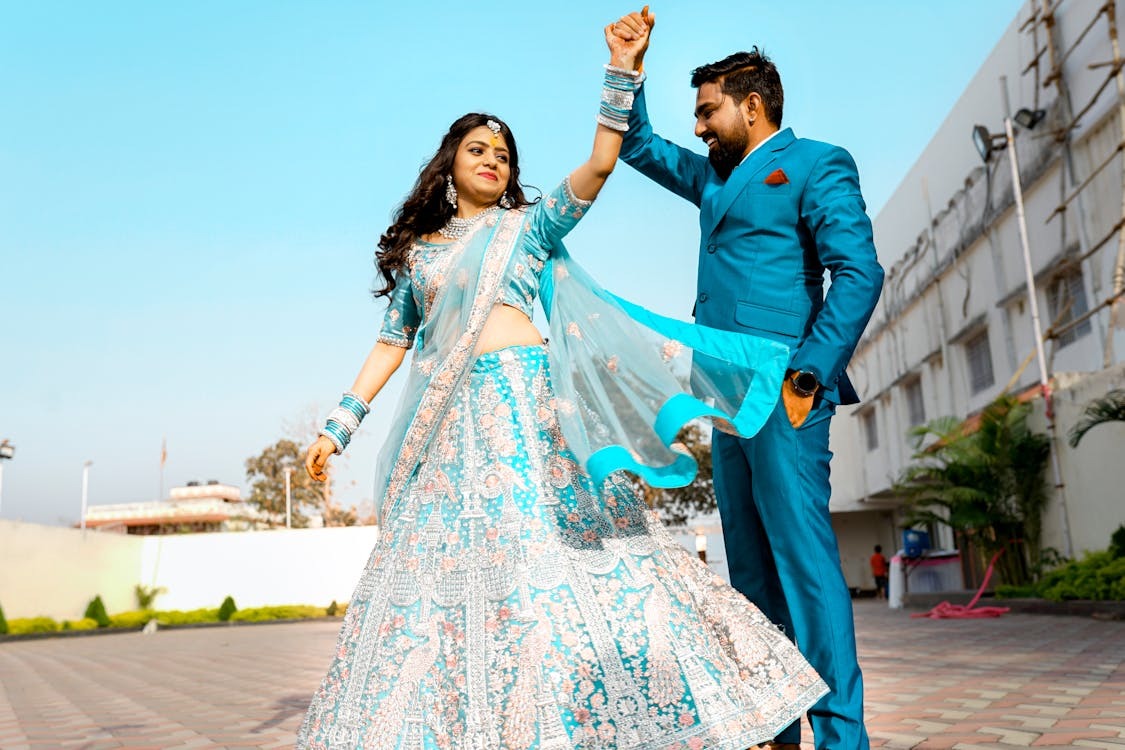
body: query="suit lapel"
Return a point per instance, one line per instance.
(716, 209)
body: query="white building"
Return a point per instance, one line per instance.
(194, 508)
(953, 328)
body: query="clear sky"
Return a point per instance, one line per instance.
(191, 193)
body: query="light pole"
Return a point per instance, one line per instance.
(986, 143)
(7, 450)
(85, 491)
(288, 497)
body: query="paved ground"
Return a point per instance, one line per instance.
(1022, 680)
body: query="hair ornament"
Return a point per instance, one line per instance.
(493, 126)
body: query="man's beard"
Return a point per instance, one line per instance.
(729, 152)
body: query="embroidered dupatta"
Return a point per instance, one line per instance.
(627, 380)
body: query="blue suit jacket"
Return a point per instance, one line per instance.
(764, 247)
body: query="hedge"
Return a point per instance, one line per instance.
(137, 618)
(187, 617)
(284, 612)
(1099, 576)
(26, 625)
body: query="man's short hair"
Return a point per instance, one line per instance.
(742, 74)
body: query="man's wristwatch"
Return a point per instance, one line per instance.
(804, 383)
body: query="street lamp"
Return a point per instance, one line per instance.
(7, 450)
(288, 497)
(986, 144)
(85, 491)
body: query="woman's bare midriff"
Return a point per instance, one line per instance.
(506, 326)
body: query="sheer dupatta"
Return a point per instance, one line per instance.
(445, 349)
(626, 379)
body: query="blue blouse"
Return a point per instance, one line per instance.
(547, 222)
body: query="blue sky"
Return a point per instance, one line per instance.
(191, 193)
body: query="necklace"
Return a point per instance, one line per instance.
(456, 227)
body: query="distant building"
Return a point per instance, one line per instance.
(193, 508)
(953, 327)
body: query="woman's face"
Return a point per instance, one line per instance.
(480, 168)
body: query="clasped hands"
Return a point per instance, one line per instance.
(628, 38)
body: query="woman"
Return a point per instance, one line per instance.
(521, 595)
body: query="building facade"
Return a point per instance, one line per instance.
(194, 508)
(953, 329)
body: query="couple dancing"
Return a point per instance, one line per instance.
(521, 595)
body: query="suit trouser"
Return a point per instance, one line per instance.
(772, 492)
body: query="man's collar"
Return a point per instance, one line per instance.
(760, 144)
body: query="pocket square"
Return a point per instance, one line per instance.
(777, 177)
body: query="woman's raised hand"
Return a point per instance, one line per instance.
(628, 38)
(316, 461)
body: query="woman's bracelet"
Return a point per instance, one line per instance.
(617, 96)
(344, 420)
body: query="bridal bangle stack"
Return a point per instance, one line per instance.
(344, 420)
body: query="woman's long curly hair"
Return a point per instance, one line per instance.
(425, 209)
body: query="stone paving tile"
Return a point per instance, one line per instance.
(1017, 681)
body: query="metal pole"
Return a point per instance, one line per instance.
(288, 497)
(85, 492)
(1, 483)
(1040, 356)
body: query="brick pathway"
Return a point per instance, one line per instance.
(1019, 681)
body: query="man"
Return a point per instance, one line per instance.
(879, 567)
(775, 212)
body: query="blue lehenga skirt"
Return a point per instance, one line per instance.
(508, 605)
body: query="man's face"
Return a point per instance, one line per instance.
(721, 123)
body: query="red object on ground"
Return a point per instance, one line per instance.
(947, 611)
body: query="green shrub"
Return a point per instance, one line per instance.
(146, 595)
(131, 620)
(333, 608)
(84, 624)
(26, 625)
(1117, 542)
(3, 623)
(1099, 576)
(227, 609)
(95, 611)
(284, 612)
(1004, 591)
(188, 617)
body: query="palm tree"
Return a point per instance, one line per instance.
(985, 481)
(1108, 408)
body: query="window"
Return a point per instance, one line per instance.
(915, 406)
(870, 429)
(979, 355)
(1066, 300)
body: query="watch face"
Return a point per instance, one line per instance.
(805, 381)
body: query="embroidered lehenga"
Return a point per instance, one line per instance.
(521, 594)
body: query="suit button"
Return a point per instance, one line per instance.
(711, 248)
(703, 297)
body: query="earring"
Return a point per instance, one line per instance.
(450, 191)
(505, 201)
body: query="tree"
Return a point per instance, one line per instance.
(987, 483)
(266, 473)
(679, 505)
(336, 515)
(1108, 408)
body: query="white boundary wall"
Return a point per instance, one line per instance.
(55, 572)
